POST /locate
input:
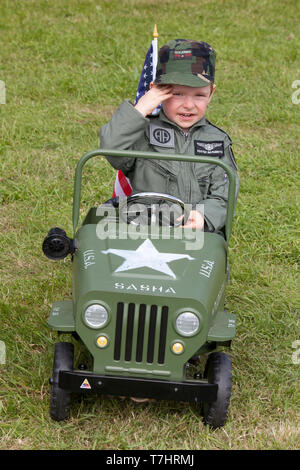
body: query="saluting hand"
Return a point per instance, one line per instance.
(153, 98)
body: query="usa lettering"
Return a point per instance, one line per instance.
(88, 258)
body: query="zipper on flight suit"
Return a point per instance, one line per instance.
(187, 140)
(186, 135)
(185, 168)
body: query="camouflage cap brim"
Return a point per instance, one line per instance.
(187, 79)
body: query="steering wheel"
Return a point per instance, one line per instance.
(152, 208)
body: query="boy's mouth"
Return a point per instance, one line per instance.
(186, 115)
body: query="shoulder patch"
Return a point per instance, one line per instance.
(161, 136)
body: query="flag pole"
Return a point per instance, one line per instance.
(154, 43)
(122, 186)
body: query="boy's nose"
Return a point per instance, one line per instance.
(188, 102)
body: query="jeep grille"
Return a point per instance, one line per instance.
(141, 332)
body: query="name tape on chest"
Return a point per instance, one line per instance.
(211, 149)
(161, 136)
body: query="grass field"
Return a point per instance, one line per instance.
(66, 65)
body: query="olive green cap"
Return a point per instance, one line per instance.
(186, 62)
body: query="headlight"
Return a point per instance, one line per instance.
(187, 323)
(96, 316)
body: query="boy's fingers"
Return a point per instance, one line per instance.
(155, 96)
(179, 219)
(163, 88)
(162, 85)
(166, 95)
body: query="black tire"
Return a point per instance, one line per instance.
(60, 400)
(218, 370)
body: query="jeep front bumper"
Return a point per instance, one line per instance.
(188, 391)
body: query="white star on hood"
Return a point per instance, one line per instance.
(146, 255)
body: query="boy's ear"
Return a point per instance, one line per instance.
(151, 85)
(213, 88)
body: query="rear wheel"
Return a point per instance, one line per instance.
(60, 400)
(218, 370)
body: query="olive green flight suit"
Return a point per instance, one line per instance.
(193, 183)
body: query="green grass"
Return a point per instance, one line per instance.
(67, 64)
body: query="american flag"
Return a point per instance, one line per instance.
(148, 73)
(122, 186)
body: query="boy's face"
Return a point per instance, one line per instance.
(187, 104)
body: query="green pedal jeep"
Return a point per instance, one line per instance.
(147, 302)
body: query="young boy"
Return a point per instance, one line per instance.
(184, 85)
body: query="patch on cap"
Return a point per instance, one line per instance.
(183, 55)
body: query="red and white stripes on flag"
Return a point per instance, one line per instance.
(122, 186)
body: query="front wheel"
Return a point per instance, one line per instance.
(60, 400)
(218, 370)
